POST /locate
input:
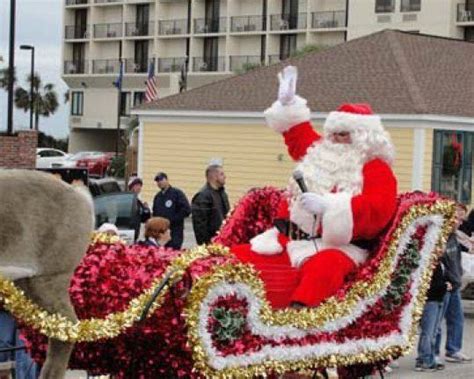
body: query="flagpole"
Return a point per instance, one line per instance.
(119, 101)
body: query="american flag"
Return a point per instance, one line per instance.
(151, 92)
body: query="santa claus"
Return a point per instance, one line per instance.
(351, 194)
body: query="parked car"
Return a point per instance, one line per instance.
(71, 161)
(103, 186)
(47, 157)
(97, 164)
(120, 209)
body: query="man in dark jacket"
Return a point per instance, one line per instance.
(210, 205)
(172, 204)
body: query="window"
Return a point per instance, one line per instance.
(138, 98)
(452, 164)
(211, 54)
(77, 103)
(384, 6)
(410, 6)
(287, 45)
(125, 104)
(469, 34)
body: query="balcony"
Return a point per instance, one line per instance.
(107, 1)
(76, 32)
(246, 23)
(108, 30)
(202, 25)
(210, 64)
(244, 62)
(137, 66)
(105, 66)
(171, 64)
(76, 67)
(287, 22)
(173, 27)
(465, 14)
(133, 29)
(328, 20)
(76, 2)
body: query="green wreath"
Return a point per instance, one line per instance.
(451, 160)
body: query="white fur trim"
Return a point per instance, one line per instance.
(303, 218)
(281, 117)
(16, 272)
(355, 253)
(266, 243)
(283, 352)
(347, 122)
(299, 251)
(337, 221)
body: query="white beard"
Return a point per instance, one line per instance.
(327, 167)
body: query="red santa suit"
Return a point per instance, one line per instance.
(356, 184)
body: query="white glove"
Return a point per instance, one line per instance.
(313, 203)
(287, 89)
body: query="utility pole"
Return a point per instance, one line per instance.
(32, 75)
(11, 67)
(119, 99)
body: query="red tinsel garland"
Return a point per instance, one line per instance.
(110, 276)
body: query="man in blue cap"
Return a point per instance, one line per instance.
(171, 203)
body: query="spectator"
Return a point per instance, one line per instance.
(108, 228)
(157, 232)
(210, 205)
(25, 368)
(452, 305)
(172, 204)
(430, 320)
(135, 184)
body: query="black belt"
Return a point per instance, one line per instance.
(291, 230)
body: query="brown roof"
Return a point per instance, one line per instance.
(396, 72)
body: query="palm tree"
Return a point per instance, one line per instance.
(4, 75)
(45, 99)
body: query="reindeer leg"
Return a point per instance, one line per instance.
(57, 359)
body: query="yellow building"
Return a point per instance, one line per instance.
(418, 84)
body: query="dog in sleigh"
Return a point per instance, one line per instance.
(332, 272)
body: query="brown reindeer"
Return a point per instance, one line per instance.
(45, 229)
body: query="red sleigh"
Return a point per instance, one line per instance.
(210, 315)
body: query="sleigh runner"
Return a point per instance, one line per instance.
(215, 317)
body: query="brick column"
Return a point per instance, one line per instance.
(18, 150)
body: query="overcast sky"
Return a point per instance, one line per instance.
(38, 23)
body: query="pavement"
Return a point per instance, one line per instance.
(406, 364)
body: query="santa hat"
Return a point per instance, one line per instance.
(352, 117)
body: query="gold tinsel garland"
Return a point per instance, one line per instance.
(330, 310)
(61, 328)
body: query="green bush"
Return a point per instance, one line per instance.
(117, 167)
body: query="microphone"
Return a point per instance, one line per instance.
(299, 179)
